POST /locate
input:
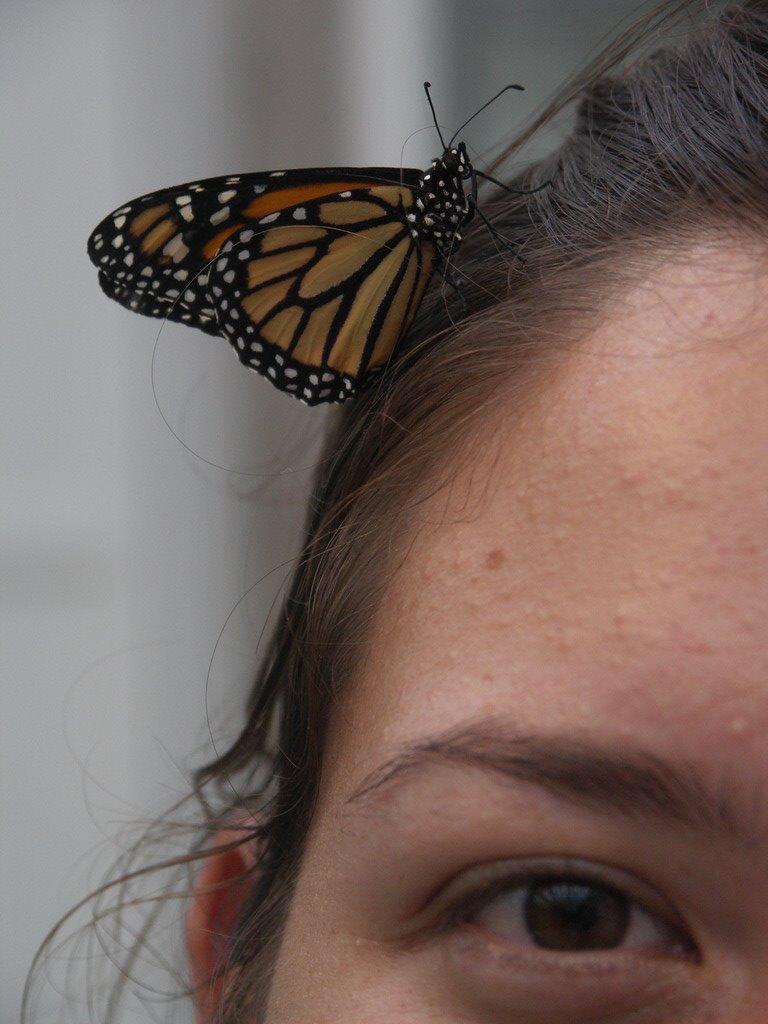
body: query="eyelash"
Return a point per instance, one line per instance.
(461, 911)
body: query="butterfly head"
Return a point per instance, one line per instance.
(457, 163)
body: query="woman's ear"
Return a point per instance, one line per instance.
(222, 884)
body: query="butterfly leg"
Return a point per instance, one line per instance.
(455, 282)
(497, 234)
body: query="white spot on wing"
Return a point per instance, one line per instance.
(220, 215)
(176, 249)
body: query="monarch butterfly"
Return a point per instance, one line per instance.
(313, 276)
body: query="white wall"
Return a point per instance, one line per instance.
(123, 553)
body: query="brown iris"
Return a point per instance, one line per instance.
(568, 915)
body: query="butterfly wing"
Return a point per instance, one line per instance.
(152, 252)
(316, 295)
(332, 278)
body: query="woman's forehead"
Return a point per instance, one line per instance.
(612, 573)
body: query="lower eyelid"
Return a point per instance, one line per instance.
(490, 975)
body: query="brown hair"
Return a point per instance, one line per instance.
(668, 147)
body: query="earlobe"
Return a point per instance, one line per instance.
(222, 884)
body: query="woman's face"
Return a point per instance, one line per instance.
(545, 798)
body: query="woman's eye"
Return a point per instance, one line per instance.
(566, 941)
(570, 915)
(562, 914)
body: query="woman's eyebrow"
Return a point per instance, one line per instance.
(631, 780)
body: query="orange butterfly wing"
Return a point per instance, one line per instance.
(313, 276)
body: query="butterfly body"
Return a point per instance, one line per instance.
(443, 207)
(314, 276)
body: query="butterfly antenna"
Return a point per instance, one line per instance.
(513, 191)
(520, 88)
(427, 87)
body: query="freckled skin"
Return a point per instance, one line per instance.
(494, 559)
(613, 585)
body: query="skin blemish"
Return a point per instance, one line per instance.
(495, 558)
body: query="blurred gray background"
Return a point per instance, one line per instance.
(123, 552)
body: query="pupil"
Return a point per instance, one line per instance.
(574, 916)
